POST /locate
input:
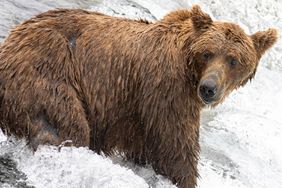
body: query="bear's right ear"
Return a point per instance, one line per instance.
(177, 16)
(200, 19)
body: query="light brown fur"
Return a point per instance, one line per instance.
(115, 84)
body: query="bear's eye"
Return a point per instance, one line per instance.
(207, 56)
(233, 62)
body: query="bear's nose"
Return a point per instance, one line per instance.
(208, 90)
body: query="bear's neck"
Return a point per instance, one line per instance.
(168, 89)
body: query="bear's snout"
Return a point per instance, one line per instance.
(207, 90)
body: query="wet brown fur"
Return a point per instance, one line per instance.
(115, 84)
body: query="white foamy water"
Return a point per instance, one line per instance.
(240, 139)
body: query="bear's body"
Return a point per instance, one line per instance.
(114, 84)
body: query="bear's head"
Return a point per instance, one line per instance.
(221, 55)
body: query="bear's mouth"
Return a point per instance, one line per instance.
(205, 101)
(210, 99)
(207, 90)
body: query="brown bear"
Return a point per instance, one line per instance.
(121, 85)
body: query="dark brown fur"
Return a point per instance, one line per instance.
(115, 84)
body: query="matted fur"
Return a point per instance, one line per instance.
(115, 84)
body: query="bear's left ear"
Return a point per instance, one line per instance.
(263, 40)
(200, 19)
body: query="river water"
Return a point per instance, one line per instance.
(240, 139)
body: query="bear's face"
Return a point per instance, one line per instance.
(224, 57)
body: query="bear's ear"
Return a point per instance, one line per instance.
(263, 40)
(177, 16)
(200, 19)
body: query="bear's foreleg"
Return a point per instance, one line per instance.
(176, 155)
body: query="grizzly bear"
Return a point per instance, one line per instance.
(121, 85)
